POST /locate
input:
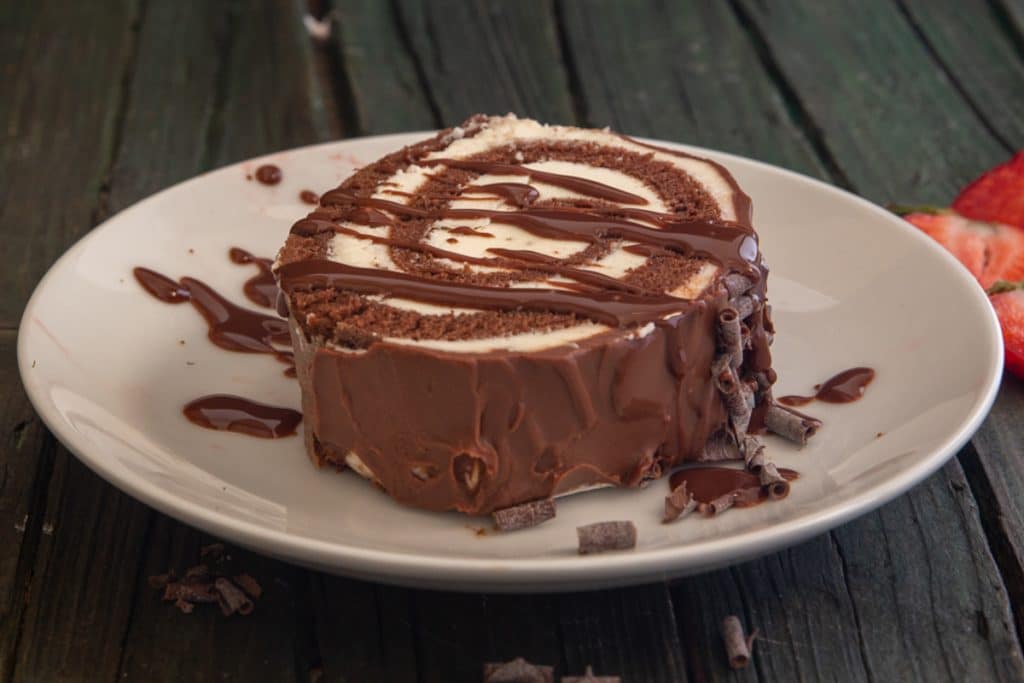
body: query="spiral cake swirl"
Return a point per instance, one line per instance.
(511, 311)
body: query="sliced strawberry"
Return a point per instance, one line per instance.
(1009, 307)
(991, 251)
(997, 196)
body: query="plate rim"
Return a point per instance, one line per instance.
(512, 573)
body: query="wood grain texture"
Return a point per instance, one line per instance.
(25, 463)
(364, 632)
(377, 72)
(995, 466)
(83, 612)
(629, 632)
(684, 72)
(58, 132)
(874, 93)
(489, 628)
(489, 57)
(989, 71)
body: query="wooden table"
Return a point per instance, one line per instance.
(106, 102)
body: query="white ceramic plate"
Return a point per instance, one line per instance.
(850, 285)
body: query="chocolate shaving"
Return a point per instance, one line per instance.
(231, 598)
(744, 306)
(602, 536)
(753, 453)
(524, 516)
(736, 284)
(197, 574)
(518, 671)
(678, 503)
(718, 505)
(249, 585)
(774, 483)
(740, 406)
(789, 424)
(723, 375)
(160, 580)
(192, 592)
(721, 446)
(737, 647)
(589, 677)
(730, 336)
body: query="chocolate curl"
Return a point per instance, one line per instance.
(517, 671)
(775, 483)
(678, 503)
(736, 284)
(718, 505)
(736, 646)
(185, 606)
(524, 516)
(197, 592)
(602, 536)
(721, 446)
(723, 375)
(753, 453)
(730, 336)
(740, 406)
(790, 424)
(589, 677)
(744, 306)
(231, 598)
(250, 585)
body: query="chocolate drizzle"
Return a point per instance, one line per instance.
(261, 289)
(268, 174)
(845, 387)
(225, 412)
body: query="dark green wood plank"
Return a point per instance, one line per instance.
(796, 599)
(881, 104)
(489, 57)
(384, 92)
(165, 645)
(25, 462)
(671, 71)
(969, 41)
(212, 83)
(458, 633)
(58, 130)
(83, 579)
(629, 632)
(931, 607)
(995, 466)
(1013, 11)
(364, 632)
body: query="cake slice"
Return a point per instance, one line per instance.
(510, 311)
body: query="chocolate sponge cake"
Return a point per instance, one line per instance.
(511, 311)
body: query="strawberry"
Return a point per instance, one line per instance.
(1008, 300)
(998, 195)
(991, 251)
(994, 253)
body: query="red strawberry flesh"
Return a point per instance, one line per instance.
(997, 196)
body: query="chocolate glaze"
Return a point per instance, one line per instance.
(845, 387)
(708, 483)
(261, 289)
(269, 174)
(224, 412)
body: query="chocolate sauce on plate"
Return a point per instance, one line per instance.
(708, 483)
(269, 174)
(225, 412)
(845, 387)
(309, 197)
(261, 289)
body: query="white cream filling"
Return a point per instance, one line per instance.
(502, 131)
